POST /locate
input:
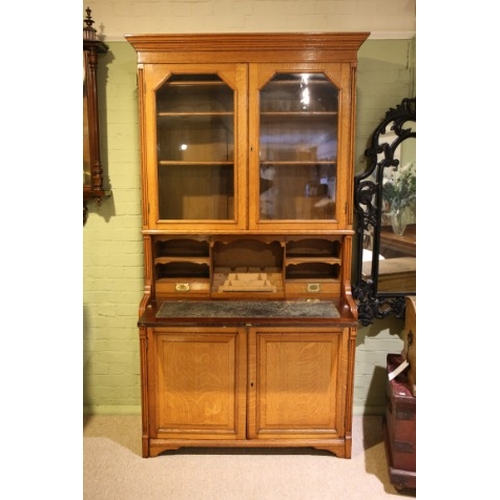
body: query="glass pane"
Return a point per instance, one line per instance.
(195, 138)
(195, 146)
(298, 147)
(194, 94)
(297, 191)
(196, 191)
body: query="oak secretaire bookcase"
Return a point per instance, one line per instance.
(247, 325)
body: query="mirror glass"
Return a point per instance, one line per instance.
(397, 250)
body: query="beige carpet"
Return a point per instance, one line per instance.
(114, 469)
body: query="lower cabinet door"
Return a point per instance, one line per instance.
(297, 383)
(197, 383)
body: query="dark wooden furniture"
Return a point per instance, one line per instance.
(247, 325)
(395, 245)
(93, 177)
(400, 427)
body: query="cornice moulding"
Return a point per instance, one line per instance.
(374, 35)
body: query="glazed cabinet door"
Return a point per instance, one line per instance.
(297, 383)
(195, 135)
(300, 146)
(197, 382)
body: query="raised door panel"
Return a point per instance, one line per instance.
(195, 136)
(300, 160)
(197, 383)
(297, 383)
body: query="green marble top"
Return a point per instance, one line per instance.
(248, 309)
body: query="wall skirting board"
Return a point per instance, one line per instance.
(111, 409)
(136, 410)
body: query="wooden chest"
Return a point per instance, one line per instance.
(410, 337)
(400, 427)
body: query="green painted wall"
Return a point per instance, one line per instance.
(112, 240)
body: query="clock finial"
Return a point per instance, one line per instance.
(89, 33)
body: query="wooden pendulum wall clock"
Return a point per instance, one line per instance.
(93, 179)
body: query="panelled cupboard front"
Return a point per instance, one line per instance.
(247, 325)
(248, 386)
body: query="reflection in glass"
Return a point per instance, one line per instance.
(400, 184)
(298, 147)
(196, 191)
(397, 244)
(195, 147)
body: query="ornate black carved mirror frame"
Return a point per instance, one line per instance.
(368, 192)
